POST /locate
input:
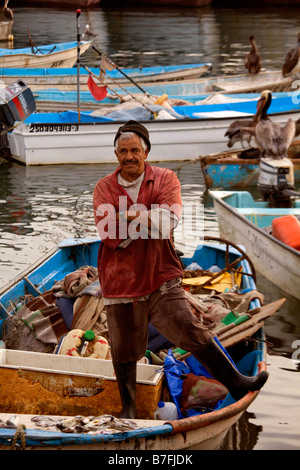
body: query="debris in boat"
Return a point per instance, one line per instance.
(85, 424)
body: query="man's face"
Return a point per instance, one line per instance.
(131, 157)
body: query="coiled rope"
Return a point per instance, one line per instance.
(19, 434)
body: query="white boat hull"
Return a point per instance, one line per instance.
(171, 140)
(273, 259)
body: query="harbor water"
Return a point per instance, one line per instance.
(40, 206)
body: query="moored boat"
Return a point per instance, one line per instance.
(66, 79)
(179, 133)
(239, 168)
(52, 100)
(50, 55)
(41, 383)
(243, 220)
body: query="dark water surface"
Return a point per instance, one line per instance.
(40, 206)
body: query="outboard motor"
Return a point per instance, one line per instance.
(16, 104)
(275, 179)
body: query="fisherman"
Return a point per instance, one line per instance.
(135, 208)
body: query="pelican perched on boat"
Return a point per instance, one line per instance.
(7, 12)
(272, 139)
(252, 60)
(292, 64)
(235, 136)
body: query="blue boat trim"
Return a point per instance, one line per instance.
(52, 438)
(41, 50)
(71, 71)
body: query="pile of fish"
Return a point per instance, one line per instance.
(104, 424)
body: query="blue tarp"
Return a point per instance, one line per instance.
(278, 105)
(174, 369)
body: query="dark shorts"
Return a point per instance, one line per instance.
(168, 310)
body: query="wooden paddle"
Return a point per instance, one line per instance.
(247, 328)
(232, 334)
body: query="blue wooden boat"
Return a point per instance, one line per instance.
(66, 75)
(66, 79)
(44, 56)
(54, 98)
(244, 220)
(237, 169)
(204, 429)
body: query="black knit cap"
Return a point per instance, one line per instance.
(137, 128)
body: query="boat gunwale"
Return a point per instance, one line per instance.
(236, 160)
(206, 419)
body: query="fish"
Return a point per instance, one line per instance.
(103, 424)
(11, 423)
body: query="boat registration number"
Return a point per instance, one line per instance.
(53, 128)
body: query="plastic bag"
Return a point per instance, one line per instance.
(199, 392)
(176, 370)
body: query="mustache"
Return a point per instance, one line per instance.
(130, 160)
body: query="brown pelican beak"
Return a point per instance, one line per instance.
(260, 104)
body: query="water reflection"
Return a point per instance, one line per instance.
(243, 435)
(139, 37)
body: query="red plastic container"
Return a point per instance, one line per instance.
(287, 230)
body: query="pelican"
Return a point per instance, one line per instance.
(7, 12)
(272, 139)
(291, 62)
(235, 136)
(252, 60)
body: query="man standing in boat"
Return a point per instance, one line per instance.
(135, 208)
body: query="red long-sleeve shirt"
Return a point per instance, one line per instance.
(145, 264)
